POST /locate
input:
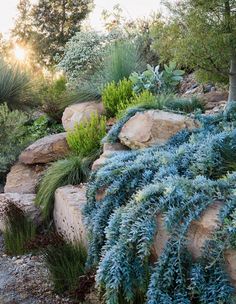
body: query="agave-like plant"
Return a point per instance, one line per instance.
(13, 80)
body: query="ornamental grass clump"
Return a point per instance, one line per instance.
(13, 81)
(19, 231)
(122, 58)
(179, 180)
(70, 171)
(66, 263)
(84, 142)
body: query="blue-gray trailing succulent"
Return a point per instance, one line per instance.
(180, 180)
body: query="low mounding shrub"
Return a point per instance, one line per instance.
(13, 81)
(66, 263)
(53, 96)
(43, 126)
(185, 105)
(157, 81)
(144, 98)
(12, 137)
(19, 231)
(85, 139)
(70, 171)
(114, 95)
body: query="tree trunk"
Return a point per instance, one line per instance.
(232, 80)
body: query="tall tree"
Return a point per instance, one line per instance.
(23, 23)
(202, 35)
(49, 24)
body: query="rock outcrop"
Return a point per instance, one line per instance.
(23, 201)
(78, 113)
(153, 127)
(23, 178)
(108, 150)
(69, 202)
(199, 232)
(45, 150)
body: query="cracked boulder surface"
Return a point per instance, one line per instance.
(152, 127)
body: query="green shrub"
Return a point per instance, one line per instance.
(86, 137)
(66, 263)
(19, 230)
(120, 60)
(114, 95)
(69, 171)
(13, 81)
(43, 126)
(83, 53)
(144, 98)
(53, 96)
(185, 105)
(12, 137)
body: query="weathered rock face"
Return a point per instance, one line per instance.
(45, 150)
(23, 179)
(211, 99)
(153, 127)
(199, 232)
(69, 202)
(108, 150)
(24, 201)
(78, 113)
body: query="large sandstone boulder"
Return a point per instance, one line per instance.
(69, 202)
(23, 201)
(23, 178)
(77, 113)
(199, 232)
(151, 127)
(108, 150)
(45, 150)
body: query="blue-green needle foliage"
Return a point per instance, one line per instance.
(180, 180)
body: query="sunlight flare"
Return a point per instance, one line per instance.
(20, 53)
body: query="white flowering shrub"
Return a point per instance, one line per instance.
(84, 52)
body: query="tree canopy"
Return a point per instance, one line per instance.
(48, 25)
(201, 35)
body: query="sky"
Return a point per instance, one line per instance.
(132, 9)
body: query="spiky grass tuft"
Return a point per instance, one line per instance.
(70, 171)
(19, 230)
(66, 263)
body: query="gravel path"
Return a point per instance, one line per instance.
(24, 280)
